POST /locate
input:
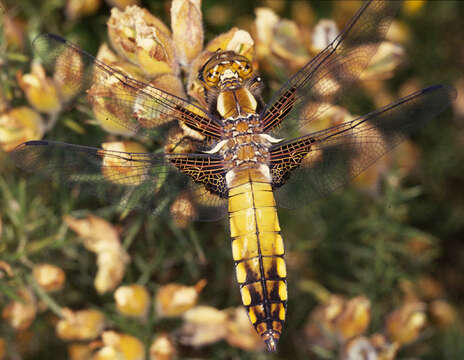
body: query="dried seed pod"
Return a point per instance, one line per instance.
(120, 346)
(162, 348)
(183, 211)
(132, 176)
(21, 314)
(49, 277)
(443, 313)
(142, 39)
(235, 39)
(386, 350)
(19, 125)
(405, 324)
(324, 33)
(385, 61)
(240, 332)
(354, 319)
(102, 238)
(175, 299)
(79, 8)
(79, 352)
(203, 325)
(80, 325)
(187, 29)
(358, 349)
(69, 74)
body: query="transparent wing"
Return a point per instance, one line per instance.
(131, 180)
(121, 100)
(317, 85)
(314, 165)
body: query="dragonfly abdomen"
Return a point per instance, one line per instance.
(258, 252)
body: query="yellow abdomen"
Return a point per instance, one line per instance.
(258, 251)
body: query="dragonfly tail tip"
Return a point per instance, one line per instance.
(270, 339)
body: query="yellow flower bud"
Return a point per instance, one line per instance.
(80, 325)
(265, 23)
(385, 349)
(69, 74)
(179, 141)
(430, 288)
(162, 348)
(98, 234)
(195, 87)
(443, 313)
(203, 325)
(49, 277)
(404, 324)
(108, 112)
(132, 176)
(412, 7)
(13, 30)
(174, 299)
(354, 319)
(324, 33)
(167, 82)
(122, 4)
(79, 352)
(338, 319)
(236, 40)
(240, 332)
(399, 32)
(78, 8)
(5, 268)
(19, 125)
(143, 39)
(111, 268)
(183, 211)
(280, 38)
(41, 91)
(102, 238)
(120, 346)
(187, 28)
(357, 349)
(132, 300)
(384, 62)
(21, 314)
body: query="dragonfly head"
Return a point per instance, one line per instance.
(226, 70)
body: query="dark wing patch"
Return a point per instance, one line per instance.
(286, 157)
(203, 169)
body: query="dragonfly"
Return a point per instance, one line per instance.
(250, 156)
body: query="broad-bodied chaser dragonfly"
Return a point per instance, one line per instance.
(250, 156)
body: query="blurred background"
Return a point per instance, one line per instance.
(375, 269)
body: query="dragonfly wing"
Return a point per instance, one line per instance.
(314, 165)
(131, 180)
(318, 84)
(121, 100)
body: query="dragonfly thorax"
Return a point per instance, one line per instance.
(244, 144)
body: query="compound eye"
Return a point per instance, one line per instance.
(210, 76)
(246, 68)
